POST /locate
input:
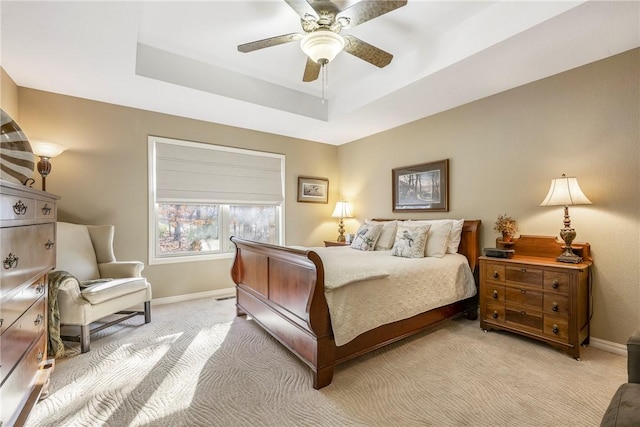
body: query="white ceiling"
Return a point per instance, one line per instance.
(180, 58)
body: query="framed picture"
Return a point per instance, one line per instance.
(420, 188)
(313, 190)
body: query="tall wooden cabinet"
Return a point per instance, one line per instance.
(28, 253)
(534, 295)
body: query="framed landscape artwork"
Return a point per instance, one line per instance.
(421, 188)
(313, 190)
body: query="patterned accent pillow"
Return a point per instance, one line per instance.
(366, 237)
(387, 235)
(410, 241)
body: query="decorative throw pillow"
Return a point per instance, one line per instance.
(438, 239)
(366, 237)
(387, 235)
(410, 241)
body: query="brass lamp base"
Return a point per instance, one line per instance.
(568, 234)
(341, 238)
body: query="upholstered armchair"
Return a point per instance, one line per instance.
(624, 409)
(98, 285)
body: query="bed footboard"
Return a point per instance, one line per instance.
(282, 289)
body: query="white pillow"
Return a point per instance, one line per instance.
(410, 241)
(387, 235)
(455, 235)
(366, 237)
(438, 240)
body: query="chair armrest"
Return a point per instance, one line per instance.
(120, 269)
(633, 357)
(71, 305)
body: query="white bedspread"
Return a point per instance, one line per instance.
(389, 289)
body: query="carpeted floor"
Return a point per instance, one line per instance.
(198, 365)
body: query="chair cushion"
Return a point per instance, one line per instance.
(624, 409)
(111, 289)
(75, 253)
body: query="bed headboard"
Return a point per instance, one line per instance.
(469, 240)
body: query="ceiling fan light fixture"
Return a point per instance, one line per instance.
(322, 46)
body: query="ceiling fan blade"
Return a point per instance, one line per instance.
(311, 71)
(366, 10)
(367, 52)
(272, 41)
(301, 7)
(324, 5)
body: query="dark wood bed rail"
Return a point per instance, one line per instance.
(282, 289)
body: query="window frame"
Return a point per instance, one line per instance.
(223, 208)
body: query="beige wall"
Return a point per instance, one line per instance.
(504, 150)
(102, 177)
(8, 95)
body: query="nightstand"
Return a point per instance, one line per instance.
(534, 295)
(328, 243)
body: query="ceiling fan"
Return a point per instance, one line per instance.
(322, 21)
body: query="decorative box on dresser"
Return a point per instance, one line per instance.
(534, 295)
(28, 252)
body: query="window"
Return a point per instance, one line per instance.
(201, 195)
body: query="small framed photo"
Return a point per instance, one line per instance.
(313, 190)
(421, 188)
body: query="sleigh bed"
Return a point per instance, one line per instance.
(283, 289)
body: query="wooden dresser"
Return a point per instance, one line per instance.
(534, 295)
(28, 253)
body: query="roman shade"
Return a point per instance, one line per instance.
(196, 172)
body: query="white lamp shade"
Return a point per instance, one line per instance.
(46, 148)
(322, 46)
(342, 210)
(565, 191)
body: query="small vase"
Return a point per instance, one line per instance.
(506, 237)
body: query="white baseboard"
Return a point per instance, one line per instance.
(611, 347)
(218, 293)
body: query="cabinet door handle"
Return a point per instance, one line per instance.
(555, 284)
(11, 261)
(495, 294)
(495, 315)
(556, 329)
(554, 306)
(495, 275)
(20, 208)
(49, 244)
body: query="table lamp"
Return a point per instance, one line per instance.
(565, 191)
(342, 211)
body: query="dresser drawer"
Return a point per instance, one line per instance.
(556, 327)
(46, 209)
(494, 312)
(13, 308)
(524, 297)
(556, 281)
(26, 252)
(17, 339)
(529, 319)
(17, 207)
(16, 389)
(556, 304)
(494, 293)
(524, 275)
(495, 272)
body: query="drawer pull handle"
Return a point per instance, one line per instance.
(554, 306)
(49, 244)
(555, 284)
(495, 315)
(524, 270)
(1, 321)
(46, 209)
(495, 275)
(495, 294)
(38, 320)
(40, 356)
(523, 291)
(39, 288)
(524, 313)
(20, 208)
(556, 329)
(10, 262)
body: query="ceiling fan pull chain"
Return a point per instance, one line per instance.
(324, 76)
